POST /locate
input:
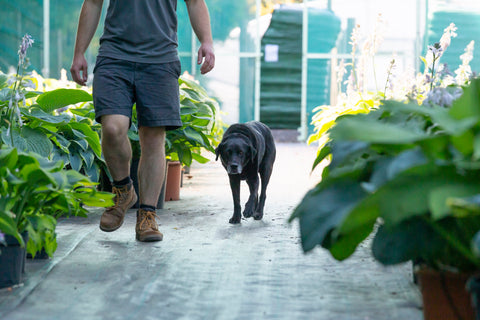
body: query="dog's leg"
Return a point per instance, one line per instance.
(253, 198)
(265, 177)
(237, 209)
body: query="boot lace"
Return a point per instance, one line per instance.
(119, 196)
(148, 220)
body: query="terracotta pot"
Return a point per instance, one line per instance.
(174, 178)
(445, 295)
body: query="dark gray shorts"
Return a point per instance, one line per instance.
(118, 84)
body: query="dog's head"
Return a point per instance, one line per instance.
(235, 152)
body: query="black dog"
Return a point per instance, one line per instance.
(246, 151)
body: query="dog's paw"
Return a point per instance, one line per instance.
(247, 213)
(258, 216)
(234, 220)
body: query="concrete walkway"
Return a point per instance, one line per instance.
(206, 268)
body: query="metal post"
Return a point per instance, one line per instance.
(258, 55)
(427, 18)
(417, 39)
(303, 113)
(193, 53)
(46, 38)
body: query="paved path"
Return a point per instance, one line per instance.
(206, 268)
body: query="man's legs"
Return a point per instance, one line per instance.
(117, 152)
(151, 174)
(151, 169)
(116, 147)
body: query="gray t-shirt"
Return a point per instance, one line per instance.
(140, 31)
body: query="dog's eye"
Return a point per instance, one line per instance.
(240, 152)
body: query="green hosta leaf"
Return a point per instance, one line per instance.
(8, 158)
(75, 161)
(191, 94)
(93, 172)
(3, 80)
(88, 157)
(409, 240)
(199, 158)
(346, 151)
(409, 193)
(187, 83)
(41, 115)
(322, 211)
(441, 196)
(346, 244)
(82, 145)
(464, 142)
(94, 198)
(89, 135)
(37, 141)
(60, 98)
(322, 154)
(187, 110)
(194, 135)
(462, 207)
(467, 105)
(367, 129)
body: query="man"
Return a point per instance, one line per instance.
(137, 63)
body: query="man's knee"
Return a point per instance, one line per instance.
(114, 127)
(152, 138)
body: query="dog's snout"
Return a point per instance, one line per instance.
(234, 169)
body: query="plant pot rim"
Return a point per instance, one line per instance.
(428, 270)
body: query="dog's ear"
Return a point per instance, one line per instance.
(218, 150)
(253, 153)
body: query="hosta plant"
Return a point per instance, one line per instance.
(407, 174)
(35, 192)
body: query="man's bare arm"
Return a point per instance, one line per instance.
(87, 25)
(200, 21)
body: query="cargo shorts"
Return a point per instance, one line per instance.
(119, 84)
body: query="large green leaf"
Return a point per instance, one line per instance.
(60, 98)
(442, 195)
(321, 211)
(467, 106)
(410, 240)
(40, 114)
(367, 129)
(412, 191)
(37, 141)
(90, 136)
(8, 157)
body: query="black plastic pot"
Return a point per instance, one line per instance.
(12, 262)
(473, 286)
(42, 254)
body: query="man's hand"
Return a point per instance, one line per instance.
(79, 70)
(207, 56)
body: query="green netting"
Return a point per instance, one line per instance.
(26, 16)
(281, 80)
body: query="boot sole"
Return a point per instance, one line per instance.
(149, 238)
(134, 200)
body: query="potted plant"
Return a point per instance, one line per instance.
(35, 192)
(408, 174)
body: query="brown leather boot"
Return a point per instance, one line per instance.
(125, 198)
(146, 229)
